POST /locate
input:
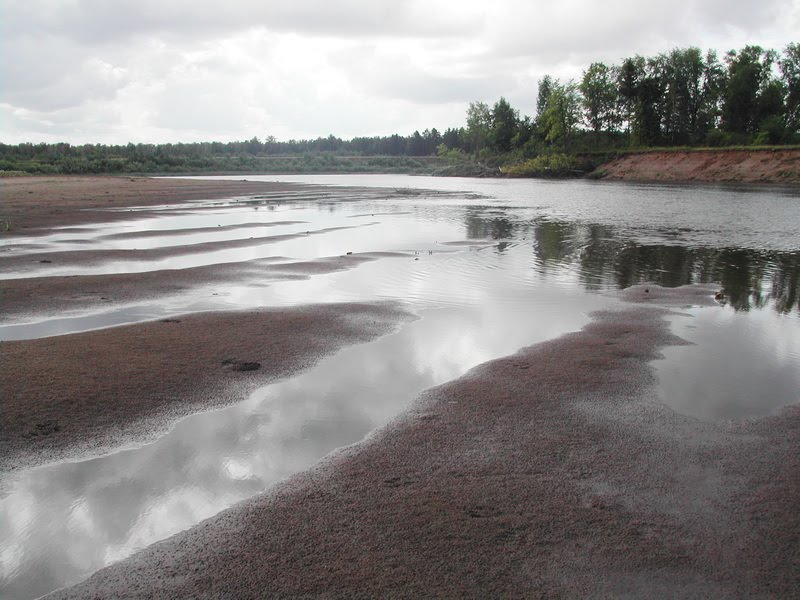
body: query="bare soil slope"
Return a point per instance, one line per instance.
(730, 166)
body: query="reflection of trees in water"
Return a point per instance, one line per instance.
(555, 241)
(750, 278)
(603, 259)
(786, 282)
(486, 226)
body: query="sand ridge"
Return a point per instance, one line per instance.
(30, 205)
(70, 395)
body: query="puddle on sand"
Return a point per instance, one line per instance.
(740, 365)
(60, 523)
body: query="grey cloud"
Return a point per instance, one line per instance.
(63, 125)
(188, 69)
(390, 74)
(201, 107)
(100, 21)
(625, 27)
(422, 88)
(46, 74)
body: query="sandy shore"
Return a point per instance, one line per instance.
(63, 295)
(90, 392)
(93, 258)
(86, 393)
(30, 205)
(553, 473)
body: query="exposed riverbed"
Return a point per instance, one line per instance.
(474, 270)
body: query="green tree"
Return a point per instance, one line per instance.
(455, 138)
(545, 88)
(432, 140)
(479, 123)
(650, 102)
(789, 65)
(749, 74)
(415, 145)
(629, 77)
(505, 124)
(714, 84)
(599, 98)
(684, 96)
(561, 114)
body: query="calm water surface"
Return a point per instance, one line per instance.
(488, 266)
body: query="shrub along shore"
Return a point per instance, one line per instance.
(737, 164)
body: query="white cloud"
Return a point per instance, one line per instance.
(161, 70)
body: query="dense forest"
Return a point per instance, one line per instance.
(681, 98)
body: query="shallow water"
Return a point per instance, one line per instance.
(489, 266)
(740, 365)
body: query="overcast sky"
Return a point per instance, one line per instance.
(113, 71)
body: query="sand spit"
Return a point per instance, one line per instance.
(30, 204)
(88, 393)
(33, 205)
(95, 258)
(552, 473)
(133, 235)
(39, 296)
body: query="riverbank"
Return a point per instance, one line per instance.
(552, 473)
(772, 166)
(31, 205)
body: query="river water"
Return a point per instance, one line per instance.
(488, 267)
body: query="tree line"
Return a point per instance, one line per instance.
(681, 98)
(684, 97)
(254, 154)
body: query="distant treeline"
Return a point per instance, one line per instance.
(393, 153)
(681, 98)
(211, 157)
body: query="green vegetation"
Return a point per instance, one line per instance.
(679, 99)
(236, 157)
(547, 165)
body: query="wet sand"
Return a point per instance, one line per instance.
(88, 393)
(30, 205)
(62, 295)
(133, 235)
(553, 473)
(93, 258)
